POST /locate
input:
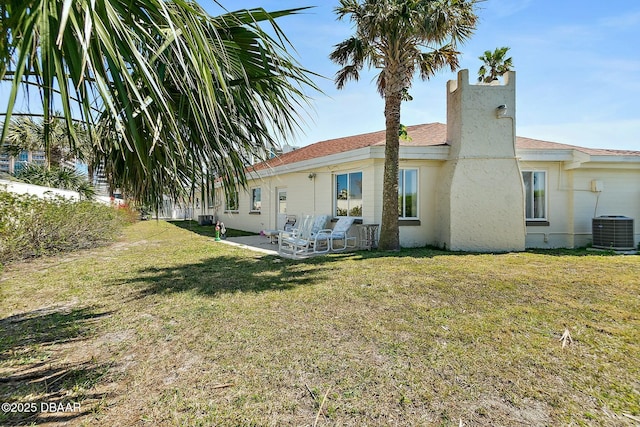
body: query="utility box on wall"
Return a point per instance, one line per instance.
(613, 232)
(597, 186)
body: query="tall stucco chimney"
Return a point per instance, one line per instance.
(481, 196)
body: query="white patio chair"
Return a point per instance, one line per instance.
(296, 242)
(305, 240)
(290, 225)
(340, 233)
(319, 242)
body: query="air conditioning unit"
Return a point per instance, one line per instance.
(205, 219)
(613, 232)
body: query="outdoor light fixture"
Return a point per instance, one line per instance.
(312, 175)
(501, 111)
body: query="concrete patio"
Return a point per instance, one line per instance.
(256, 243)
(263, 245)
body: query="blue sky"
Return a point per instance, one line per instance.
(577, 64)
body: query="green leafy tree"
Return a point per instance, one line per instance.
(401, 38)
(172, 93)
(495, 64)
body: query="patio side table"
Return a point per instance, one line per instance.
(368, 235)
(272, 235)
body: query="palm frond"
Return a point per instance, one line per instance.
(432, 62)
(180, 94)
(346, 73)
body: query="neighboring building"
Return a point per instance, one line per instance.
(467, 185)
(11, 164)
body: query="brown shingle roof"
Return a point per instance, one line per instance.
(536, 144)
(430, 134)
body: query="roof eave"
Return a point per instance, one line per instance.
(315, 163)
(538, 155)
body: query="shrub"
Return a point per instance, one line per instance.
(57, 177)
(32, 227)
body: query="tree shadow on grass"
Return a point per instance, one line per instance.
(230, 274)
(251, 274)
(34, 382)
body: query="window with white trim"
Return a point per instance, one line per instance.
(535, 193)
(256, 199)
(408, 193)
(348, 196)
(210, 197)
(231, 201)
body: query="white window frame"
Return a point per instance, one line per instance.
(531, 196)
(403, 207)
(227, 200)
(252, 207)
(211, 197)
(335, 195)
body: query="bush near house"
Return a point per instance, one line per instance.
(32, 227)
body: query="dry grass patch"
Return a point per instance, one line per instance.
(168, 327)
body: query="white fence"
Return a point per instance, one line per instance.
(43, 192)
(171, 210)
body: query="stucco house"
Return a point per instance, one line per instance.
(468, 185)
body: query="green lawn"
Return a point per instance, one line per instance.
(168, 327)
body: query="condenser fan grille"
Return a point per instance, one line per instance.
(613, 232)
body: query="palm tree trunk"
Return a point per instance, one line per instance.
(389, 231)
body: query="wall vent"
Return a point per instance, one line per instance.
(613, 232)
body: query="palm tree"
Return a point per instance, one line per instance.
(174, 93)
(57, 177)
(26, 134)
(400, 37)
(495, 64)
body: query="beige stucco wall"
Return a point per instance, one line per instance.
(316, 196)
(413, 234)
(305, 196)
(620, 195)
(559, 233)
(480, 194)
(571, 203)
(243, 218)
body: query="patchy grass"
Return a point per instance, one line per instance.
(168, 327)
